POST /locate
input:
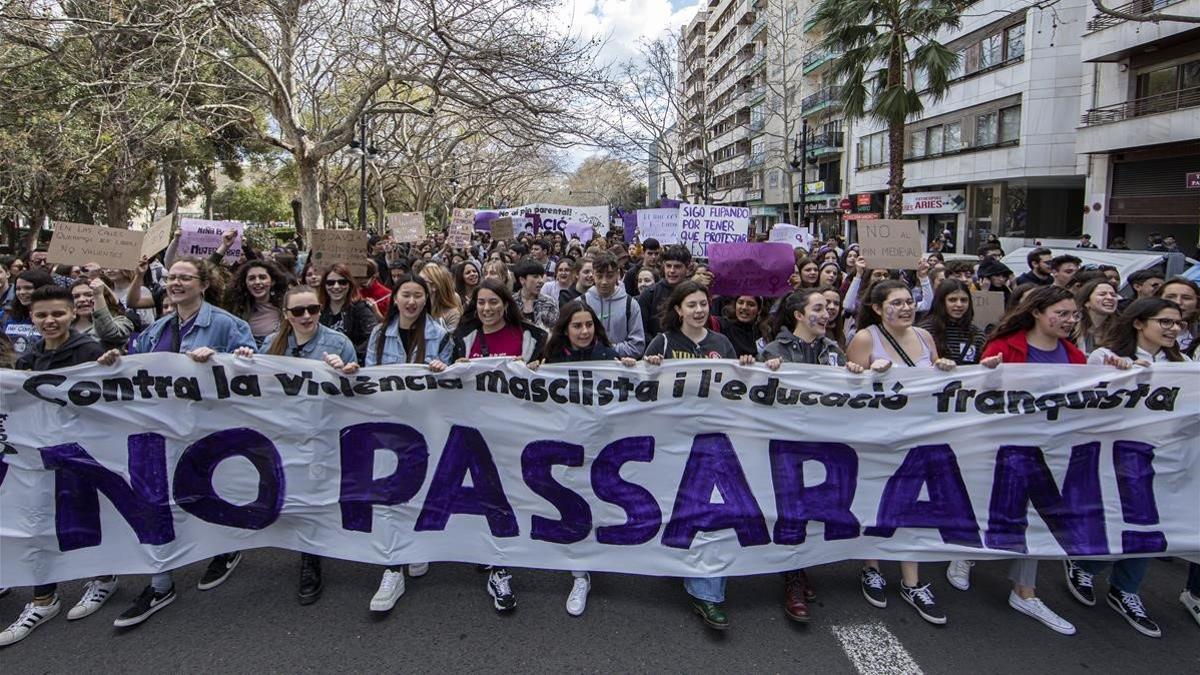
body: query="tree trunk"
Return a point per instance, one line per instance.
(116, 207)
(171, 183)
(209, 187)
(895, 206)
(310, 194)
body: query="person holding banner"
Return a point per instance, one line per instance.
(886, 334)
(951, 322)
(52, 309)
(98, 314)
(1145, 333)
(1097, 300)
(803, 338)
(344, 309)
(198, 329)
(255, 295)
(685, 335)
(578, 336)
(620, 315)
(302, 336)
(836, 328)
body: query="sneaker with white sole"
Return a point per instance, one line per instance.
(218, 570)
(418, 569)
(922, 600)
(577, 599)
(31, 617)
(1192, 603)
(499, 586)
(1129, 606)
(873, 584)
(1079, 582)
(958, 573)
(95, 593)
(149, 602)
(1037, 609)
(391, 587)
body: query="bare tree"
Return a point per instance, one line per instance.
(780, 113)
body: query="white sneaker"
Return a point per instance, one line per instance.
(418, 569)
(1192, 603)
(391, 587)
(95, 594)
(1038, 610)
(31, 617)
(577, 600)
(959, 574)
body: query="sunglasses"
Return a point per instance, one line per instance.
(298, 312)
(337, 282)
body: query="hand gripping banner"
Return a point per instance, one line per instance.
(694, 468)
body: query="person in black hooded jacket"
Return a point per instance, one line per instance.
(742, 324)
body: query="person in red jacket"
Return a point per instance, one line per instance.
(1038, 329)
(372, 290)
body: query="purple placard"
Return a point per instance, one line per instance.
(742, 268)
(629, 223)
(669, 204)
(483, 220)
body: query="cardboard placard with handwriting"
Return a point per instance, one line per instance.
(158, 235)
(894, 244)
(988, 307)
(462, 226)
(406, 227)
(340, 246)
(79, 244)
(502, 229)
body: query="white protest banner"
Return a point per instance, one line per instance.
(694, 468)
(158, 235)
(462, 226)
(202, 238)
(988, 307)
(703, 224)
(79, 244)
(659, 224)
(406, 227)
(348, 247)
(798, 237)
(891, 244)
(581, 231)
(554, 217)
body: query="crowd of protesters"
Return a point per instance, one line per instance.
(547, 299)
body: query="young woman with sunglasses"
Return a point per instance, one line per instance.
(408, 334)
(344, 309)
(199, 329)
(886, 336)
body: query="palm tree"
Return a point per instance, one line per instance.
(895, 36)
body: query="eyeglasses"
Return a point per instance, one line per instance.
(1168, 324)
(1069, 315)
(181, 277)
(337, 282)
(306, 309)
(902, 303)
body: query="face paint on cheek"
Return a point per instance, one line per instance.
(812, 322)
(890, 312)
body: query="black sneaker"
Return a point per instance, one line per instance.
(218, 570)
(1129, 605)
(1079, 582)
(310, 579)
(499, 586)
(872, 587)
(146, 604)
(921, 598)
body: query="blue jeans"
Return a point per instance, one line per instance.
(711, 589)
(1193, 583)
(1127, 574)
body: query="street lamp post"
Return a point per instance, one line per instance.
(366, 153)
(799, 162)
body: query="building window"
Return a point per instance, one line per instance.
(1014, 42)
(960, 65)
(953, 136)
(1003, 46)
(917, 144)
(935, 144)
(989, 51)
(773, 178)
(1010, 124)
(985, 129)
(1168, 80)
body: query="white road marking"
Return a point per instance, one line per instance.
(873, 650)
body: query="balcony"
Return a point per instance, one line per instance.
(810, 19)
(814, 59)
(822, 100)
(820, 189)
(757, 124)
(1135, 8)
(1153, 120)
(824, 144)
(754, 195)
(754, 62)
(1111, 39)
(755, 93)
(757, 159)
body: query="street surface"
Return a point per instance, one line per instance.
(445, 623)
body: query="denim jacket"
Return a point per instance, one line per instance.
(438, 344)
(213, 328)
(326, 341)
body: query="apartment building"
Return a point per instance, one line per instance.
(996, 155)
(1139, 125)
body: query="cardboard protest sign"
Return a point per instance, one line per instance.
(798, 237)
(158, 235)
(894, 244)
(202, 238)
(340, 246)
(406, 227)
(582, 231)
(988, 307)
(502, 228)
(660, 224)
(702, 224)
(79, 244)
(462, 226)
(742, 268)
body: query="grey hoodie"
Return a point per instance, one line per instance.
(622, 319)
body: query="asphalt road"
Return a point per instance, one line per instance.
(445, 622)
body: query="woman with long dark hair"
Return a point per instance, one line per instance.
(255, 296)
(344, 309)
(1186, 294)
(493, 326)
(744, 324)
(951, 323)
(467, 276)
(18, 325)
(1097, 301)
